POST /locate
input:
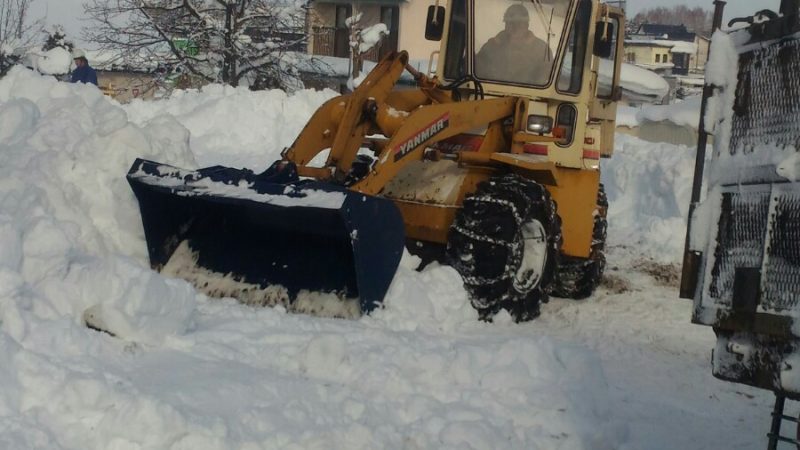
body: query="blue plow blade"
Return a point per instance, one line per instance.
(271, 228)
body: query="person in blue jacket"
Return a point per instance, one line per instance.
(83, 72)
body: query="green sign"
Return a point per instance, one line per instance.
(187, 46)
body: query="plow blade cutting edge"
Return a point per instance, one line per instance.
(265, 238)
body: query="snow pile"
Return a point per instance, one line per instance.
(189, 372)
(721, 72)
(371, 36)
(685, 113)
(234, 126)
(627, 116)
(649, 187)
(56, 61)
(637, 83)
(68, 218)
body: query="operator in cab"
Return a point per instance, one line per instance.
(515, 54)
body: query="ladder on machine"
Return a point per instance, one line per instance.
(778, 417)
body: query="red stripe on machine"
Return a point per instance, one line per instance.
(459, 143)
(535, 149)
(591, 154)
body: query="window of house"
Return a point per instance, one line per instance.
(341, 36)
(658, 58)
(390, 16)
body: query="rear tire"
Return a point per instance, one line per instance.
(505, 243)
(579, 277)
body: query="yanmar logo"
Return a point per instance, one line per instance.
(436, 127)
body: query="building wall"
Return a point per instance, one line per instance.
(125, 86)
(700, 59)
(322, 26)
(646, 54)
(411, 34)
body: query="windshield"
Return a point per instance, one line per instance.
(517, 41)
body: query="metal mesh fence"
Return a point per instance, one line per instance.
(767, 109)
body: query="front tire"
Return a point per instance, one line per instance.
(505, 243)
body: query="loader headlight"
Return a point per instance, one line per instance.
(540, 124)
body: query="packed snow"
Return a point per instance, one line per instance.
(622, 370)
(685, 113)
(56, 61)
(371, 36)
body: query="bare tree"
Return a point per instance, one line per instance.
(16, 31)
(230, 41)
(697, 20)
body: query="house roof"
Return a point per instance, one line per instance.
(671, 32)
(674, 46)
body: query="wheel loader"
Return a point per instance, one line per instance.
(493, 164)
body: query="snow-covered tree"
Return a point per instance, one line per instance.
(362, 40)
(57, 37)
(250, 42)
(16, 31)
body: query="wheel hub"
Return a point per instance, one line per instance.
(534, 257)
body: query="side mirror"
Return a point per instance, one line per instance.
(604, 39)
(434, 24)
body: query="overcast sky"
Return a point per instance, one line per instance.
(70, 12)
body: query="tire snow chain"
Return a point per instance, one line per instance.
(474, 280)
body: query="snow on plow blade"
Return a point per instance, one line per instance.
(268, 238)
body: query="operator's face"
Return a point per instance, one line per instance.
(78, 62)
(517, 29)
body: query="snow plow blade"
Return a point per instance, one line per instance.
(265, 238)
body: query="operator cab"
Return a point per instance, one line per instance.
(563, 56)
(514, 43)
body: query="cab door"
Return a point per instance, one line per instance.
(609, 39)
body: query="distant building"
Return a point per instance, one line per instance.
(330, 36)
(667, 49)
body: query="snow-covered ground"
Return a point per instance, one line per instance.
(622, 370)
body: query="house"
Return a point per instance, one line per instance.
(329, 34)
(667, 49)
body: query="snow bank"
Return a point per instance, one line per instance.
(187, 372)
(685, 113)
(637, 83)
(56, 61)
(649, 187)
(234, 126)
(67, 214)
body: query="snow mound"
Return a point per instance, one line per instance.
(56, 61)
(684, 113)
(188, 372)
(235, 126)
(68, 214)
(649, 186)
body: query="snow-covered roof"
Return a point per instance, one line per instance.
(674, 46)
(636, 83)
